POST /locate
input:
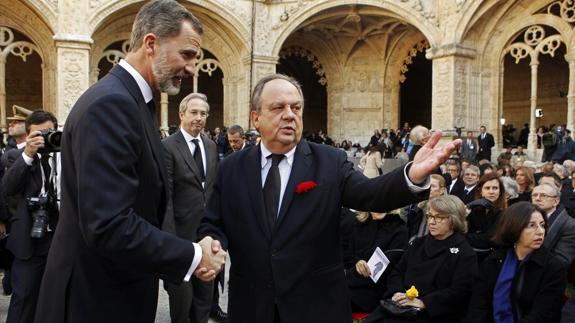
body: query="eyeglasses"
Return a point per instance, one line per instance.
(542, 195)
(435, 218)
(533, 226)
(202, 114)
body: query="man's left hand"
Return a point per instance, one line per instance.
(429, 157)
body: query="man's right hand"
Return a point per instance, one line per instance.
(213, 259)
(33, 142)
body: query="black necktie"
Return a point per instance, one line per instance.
(467, 191)
(272, 189)
(152, 106)
(47, 169)
(198, 158)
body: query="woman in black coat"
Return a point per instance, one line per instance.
(484, 214)
(440, 265)
(521, 282)
(361, 235)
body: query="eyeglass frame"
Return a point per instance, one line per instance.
(437, 219)
(543, 195)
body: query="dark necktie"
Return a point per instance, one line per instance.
(272, 188)
(47, 169)
(198, 158)
(152, 106)
(467, 191)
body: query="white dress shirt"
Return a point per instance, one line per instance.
(148, 96)
(189, 137)
(55, 160)
(286, 164)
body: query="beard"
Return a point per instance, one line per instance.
(166, 77)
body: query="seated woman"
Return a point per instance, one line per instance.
(522, 281)
(416, 223)
(440, 265)
(526, 181)
(361, 235)
(484, 214)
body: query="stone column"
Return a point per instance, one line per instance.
(72, 70)
(3, 93)
(571, 94)
(261, 66)
(450, 88)
(532, 142)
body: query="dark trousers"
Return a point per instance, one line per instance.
(190, 301)
(26, 278)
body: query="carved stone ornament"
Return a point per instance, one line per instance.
(301, 52)
(22, 49)
(113, 55)
(566, 9)
(534, 42)
(408, 60)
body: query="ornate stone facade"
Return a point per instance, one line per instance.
(361, 54)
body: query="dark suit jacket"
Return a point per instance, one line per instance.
(108, 250)
(560, 239)
(187, 199)
(485, 146)
(468, 152)
(20, 182)
(459, 191)
(298, 266)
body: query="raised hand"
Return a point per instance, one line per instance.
(429, 157)
(213, 259)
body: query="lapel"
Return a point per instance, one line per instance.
(299, 173)
(254, 188)
(148, 121)
(184, 150)
(36, 175)
(210, 164)
(557, 224)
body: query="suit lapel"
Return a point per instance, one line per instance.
(184, 150)
(254, 187)
(300, 172)
(210, 164)
(148, 121)
(557, 224)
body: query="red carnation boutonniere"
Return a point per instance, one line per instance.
(304, 187)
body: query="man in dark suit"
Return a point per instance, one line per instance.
(466, 193)
(108, 250)
(191, 161)
(236, 139)
(282, 227)
(30, 176)
(486, 142)
(469, 147)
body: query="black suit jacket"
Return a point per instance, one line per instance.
(108, 250)
(187, 199)
(485, 146)
(459, 191)
(20, 182)
(297, 267)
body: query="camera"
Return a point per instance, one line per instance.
(37, 206)
(52, 139)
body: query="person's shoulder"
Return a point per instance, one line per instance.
(238, 156)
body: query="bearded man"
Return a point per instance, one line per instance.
(108, 250)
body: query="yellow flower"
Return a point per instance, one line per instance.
(412, 293)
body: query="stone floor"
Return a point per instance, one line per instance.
(162, 314)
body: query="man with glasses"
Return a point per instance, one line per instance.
(191, 160)
(560, 237)
(470, 179)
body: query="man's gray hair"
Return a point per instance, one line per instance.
(190, 97)
(162, 18)
(236, 129)
(474, 169)
(418, 133)
(553, 188)
(511, 187)
(257, 93)
(560, 168)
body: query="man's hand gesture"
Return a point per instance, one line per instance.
(213, 259)
(429, 157)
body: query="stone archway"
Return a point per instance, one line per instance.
(361, 49)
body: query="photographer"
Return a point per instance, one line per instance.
(32, 181)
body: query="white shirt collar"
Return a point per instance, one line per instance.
(189, 137)
(142, 84)
(265, 153)
(21, 145)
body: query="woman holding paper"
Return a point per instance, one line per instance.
(362, 234)
(439, 266)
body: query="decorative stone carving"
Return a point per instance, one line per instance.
(566, 10)
(420, 8)
(289, 12)
(534, 43)
(408, 60)
(113, 56)
(301, 52)
(74, 78)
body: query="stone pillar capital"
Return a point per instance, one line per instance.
(73, 41)
(450, 50)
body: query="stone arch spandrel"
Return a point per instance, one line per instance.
(473, 13)
(46, 10)
(400, 9)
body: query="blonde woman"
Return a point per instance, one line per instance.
(371, 163)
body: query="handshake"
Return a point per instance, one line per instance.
(213, 259)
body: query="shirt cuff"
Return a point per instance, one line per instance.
(195, 262)
(416, 188)
(27, 159)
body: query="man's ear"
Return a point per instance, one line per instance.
(255, 118)
(150, 42)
